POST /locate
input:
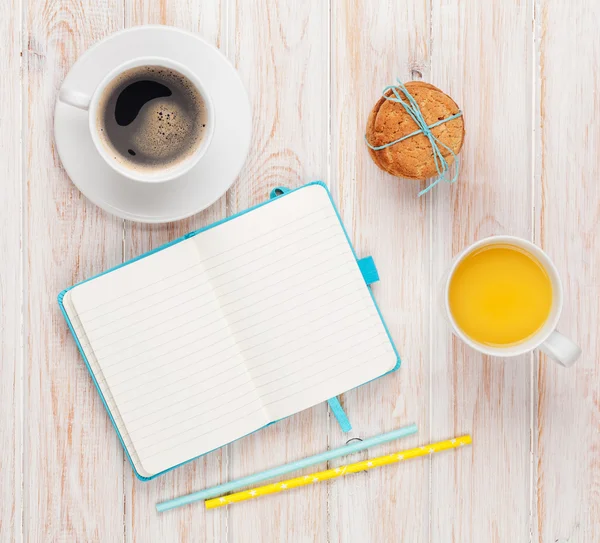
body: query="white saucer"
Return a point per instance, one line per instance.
(216, 170)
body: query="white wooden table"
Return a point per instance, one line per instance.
(527, 75)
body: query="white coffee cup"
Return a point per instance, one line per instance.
(547, 339)
(91, 103)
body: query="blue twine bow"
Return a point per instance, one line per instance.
(412, 108)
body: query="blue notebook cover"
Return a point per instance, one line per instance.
(366, 267)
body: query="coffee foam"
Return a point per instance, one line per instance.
(166, 131)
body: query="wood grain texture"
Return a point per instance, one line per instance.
(567, 223)
(372, 45)
(143, 524)
(73, 477)
(11, 275)
(281, 51)
(482, 56)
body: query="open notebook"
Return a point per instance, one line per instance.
(229, 329)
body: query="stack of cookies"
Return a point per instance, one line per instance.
(413, 158)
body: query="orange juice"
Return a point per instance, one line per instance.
(500, 295)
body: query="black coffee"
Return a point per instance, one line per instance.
(151, 118)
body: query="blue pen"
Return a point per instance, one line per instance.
(286, 468)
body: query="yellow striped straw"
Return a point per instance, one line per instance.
(425, 450)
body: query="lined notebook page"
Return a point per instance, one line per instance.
(240, 325)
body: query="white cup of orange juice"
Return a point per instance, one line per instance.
(503, 297)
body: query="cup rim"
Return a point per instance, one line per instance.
(557, 291)
(170, 173)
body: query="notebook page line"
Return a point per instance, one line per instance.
(178, 284)
(221, 391)
(175, 444)
(330, 368)
(182, 398)
(114, 385)
(95, 370)
(301, 273)
(169, 432)
(172, 416)
(134, 432)
(246, 360)
(297, 362)
(349, 369)
(195, 362)
(224, 421)
(194, 419)
(141, 335)
(89, 353)
(345, 371)
(228, 390)
(206, 288)
(195, 331)
(199, 263)
(312, 365)
(338, 379)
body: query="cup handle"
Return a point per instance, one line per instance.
(561, 349)
(75, 98)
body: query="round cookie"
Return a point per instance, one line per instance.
(413, 157)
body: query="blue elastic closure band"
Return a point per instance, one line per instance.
(340, 414)
(368, 269)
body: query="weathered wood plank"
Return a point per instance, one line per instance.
(189, 523)
(281, 52)
(482, 56)
(73, 475)
(372, 45)
(11, 274)
(567, 226)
